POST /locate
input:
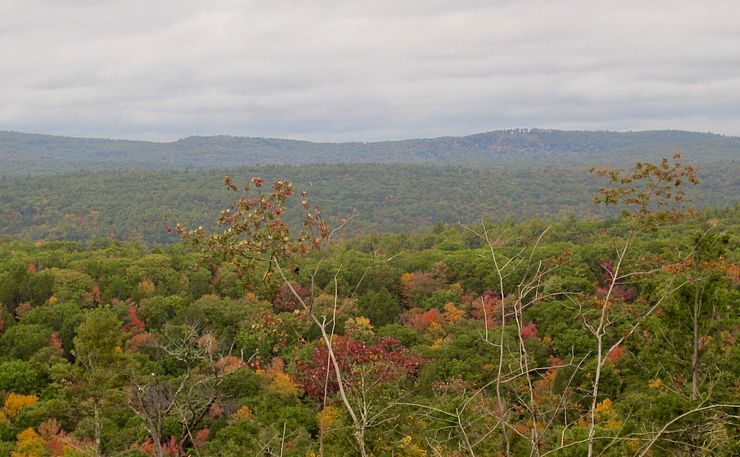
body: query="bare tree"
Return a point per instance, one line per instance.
(649, 195)
(187, 397)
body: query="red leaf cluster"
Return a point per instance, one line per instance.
(95, 295)
(170, 448)
(55, 437)
(487, 307)
(420, 320)
(135, 323)
(381, 361)
(55, 342)
(616, 354)
(529, 331)
(201, 437)
(139, 341)
(417, 284)
(215, 411)
(626, 294)
(230, 364)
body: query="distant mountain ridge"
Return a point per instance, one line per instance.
(36, 154)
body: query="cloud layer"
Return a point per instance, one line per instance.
(366, 70)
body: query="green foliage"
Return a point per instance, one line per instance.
(6, 447)
(71, 285)
(158, 310)
(160, 316)
(405, 335)
(142, 205)
(22, 377)
(23, 340)
(99, 338)
(380, 307)
(63, 318)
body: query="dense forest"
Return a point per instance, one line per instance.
(549, 336)
(25, 154)
(133, 204)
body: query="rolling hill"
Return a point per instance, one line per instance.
(23, 154)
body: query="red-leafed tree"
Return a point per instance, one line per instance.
(487, 307)
(371, 373)
(420, 320)
(95, 296)
(416, 285)
(616, 353)
(140, 341)
(135, 324)
(365, 365)
(529, 331)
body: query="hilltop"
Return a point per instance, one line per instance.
(24, 154)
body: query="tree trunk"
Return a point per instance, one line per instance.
(695, 355)
(157, 441)
(98, 429)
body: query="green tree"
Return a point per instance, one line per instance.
(99, 338)
(380, 307)
(97, 348)
(23, 340)
(22, 377)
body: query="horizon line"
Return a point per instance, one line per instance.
(505, 130)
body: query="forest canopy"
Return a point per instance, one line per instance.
(140, 205)
(256, 336)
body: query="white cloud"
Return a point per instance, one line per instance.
(339, 70)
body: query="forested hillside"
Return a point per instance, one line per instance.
(524, 311)
(24, 154)
(131, 204)
(455, 342)
(360, 266)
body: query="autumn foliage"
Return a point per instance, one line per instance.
(381, 361)
(503, 339)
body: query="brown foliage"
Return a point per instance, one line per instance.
(649, 193)
(286, 301)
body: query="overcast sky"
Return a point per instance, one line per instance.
(366, 70)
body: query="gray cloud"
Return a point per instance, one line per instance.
(339, 70)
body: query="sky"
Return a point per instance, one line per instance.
(329, 70)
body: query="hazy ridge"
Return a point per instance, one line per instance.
(33, 154)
